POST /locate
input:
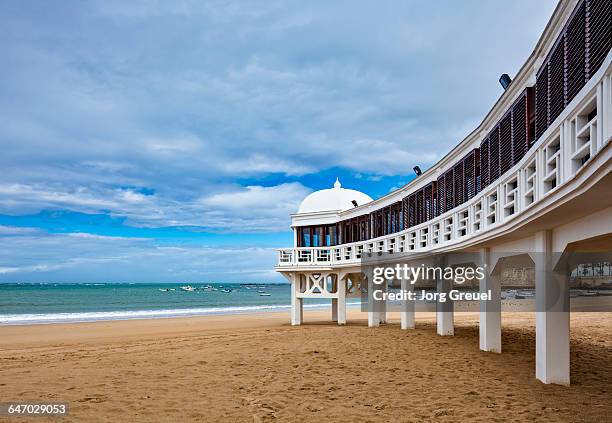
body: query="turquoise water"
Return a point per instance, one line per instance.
(51, 303)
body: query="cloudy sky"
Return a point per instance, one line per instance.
(170, 141)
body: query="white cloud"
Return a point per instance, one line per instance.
(72, 257)
(13, 230)
(242, 209)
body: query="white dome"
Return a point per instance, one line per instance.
(333, 199)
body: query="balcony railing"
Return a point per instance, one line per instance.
(568, 145)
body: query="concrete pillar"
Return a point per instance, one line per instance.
(407, 320)
(297, 304)
(490, 310)
(341, 302)
(334, 309)
(382, 314)
(444, 310)
(552, 314)
(373, 320)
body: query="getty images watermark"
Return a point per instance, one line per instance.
(577, 281)
(422, 273)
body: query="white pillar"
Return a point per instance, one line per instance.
(341, 302)
(407, 314)
(490, 310)
(297, 307)
(373, 319)
(334, 309)
(444, 310)
(552, 315)
(382, 313)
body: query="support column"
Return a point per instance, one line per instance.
(490, 310)
(297, 307)
(373, 318)
(382, 314)
(552, 315)
(407, 320)
(444, 310)
(334, 309)
(341, 302)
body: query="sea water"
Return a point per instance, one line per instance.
(52, 303)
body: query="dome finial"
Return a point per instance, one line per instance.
(337, 184)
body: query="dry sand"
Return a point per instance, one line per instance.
(258, 368)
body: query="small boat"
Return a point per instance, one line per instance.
(188, 288)
(523, 295)
(264, 294)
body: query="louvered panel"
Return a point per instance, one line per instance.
(541, 103)
(387, 216)
(448, 190)
(434, 196)
(411, 210)
(399, 215)
(458, 185)
(442, 194)
(505, 144)
(428, 200)
(556, 93)
(575, 53)
(420, 207)
(441, 188)
(494, 154)
(477, 174)
(599, 33)
(485, 178)
(469, 175)
(531, 117)
(519, 129)
(405, 212)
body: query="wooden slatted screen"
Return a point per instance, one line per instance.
(485, 176)
(575, 53)
(428, 201)
(556, 81)
(598, 33)
(458, 184)
(541, 102)
(469, 169)
(494, 155)
(520, 128)
(505, 144)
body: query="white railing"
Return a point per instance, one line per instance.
(569, 144)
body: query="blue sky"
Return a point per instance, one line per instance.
(170, 141)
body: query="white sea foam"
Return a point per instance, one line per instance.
(94, 316)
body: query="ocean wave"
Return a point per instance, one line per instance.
(94, 316)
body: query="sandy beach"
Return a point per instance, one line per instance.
(252, 368)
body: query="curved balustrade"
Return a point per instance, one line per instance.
(569, 144)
